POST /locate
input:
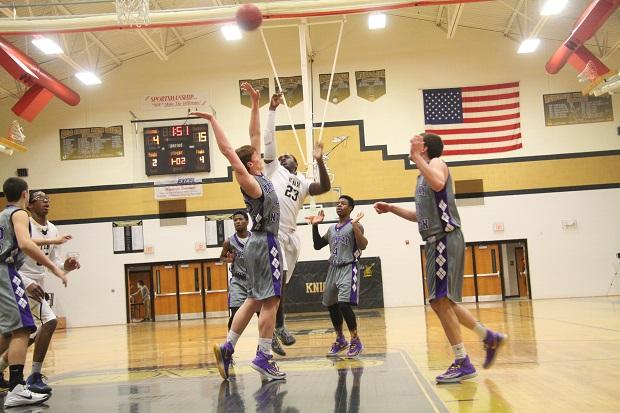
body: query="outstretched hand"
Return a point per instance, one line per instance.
(318, 151)
(357, 218)
(71, 264)
(382, 207)
(62, 239)
(316, 219)
(276, 99)
(204, 115)
(254, 94)
(417, 145)
(229, 258)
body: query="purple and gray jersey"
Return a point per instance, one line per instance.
(264, 211)
(436, 211)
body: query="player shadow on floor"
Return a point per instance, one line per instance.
(356, 367)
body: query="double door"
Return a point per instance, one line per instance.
(482, 273)
(189, 290)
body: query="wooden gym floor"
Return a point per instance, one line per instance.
(562, 355)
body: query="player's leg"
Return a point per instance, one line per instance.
(445, 282)
(47, 319)
(348, 284)
(266, 324)
(291, 255)
(330, 300)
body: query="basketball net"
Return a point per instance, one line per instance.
(588, 74)
(133, 12)
(14, 141)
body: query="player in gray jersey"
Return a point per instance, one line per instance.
(233, 253)
(262, 251)
(440, 226)
(346, 241)
(16, 321)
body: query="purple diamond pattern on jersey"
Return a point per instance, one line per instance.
(354, 279)
(441, 268)
(441, 198)
(274, 255)
(22, 303)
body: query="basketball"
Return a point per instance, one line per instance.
(249, 17)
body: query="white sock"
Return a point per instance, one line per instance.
(264, 345)
(459, 351)
(233, 337)
(481, 330)
(3, 364)
(36, 367)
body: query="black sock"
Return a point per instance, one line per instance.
(16, 375)
(348, 315)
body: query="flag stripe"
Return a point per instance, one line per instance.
(486, 104)
(481, 140)
(492, 118)
(490, 108)
(482, 150)
(489, 87)
(490, 97)
(473, 130)
(490, 92)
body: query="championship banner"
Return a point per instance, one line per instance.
(573, 108)
(89, 143)
(370, 84)
(340, 87)
(174, 100)
(292, 89)
(304, 293)
(261, 85)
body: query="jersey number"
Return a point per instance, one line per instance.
(291, 193)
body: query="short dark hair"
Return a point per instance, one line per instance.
(350, 200)
(140, 282)
(245, 154)
(13, 188)
(242, 213)
(434, 144)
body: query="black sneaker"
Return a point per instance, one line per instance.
(36, 384)
(283, 334)
(276, 346)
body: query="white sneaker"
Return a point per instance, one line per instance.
(21, 396)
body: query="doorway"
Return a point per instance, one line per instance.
(492, 271)
(179, 290)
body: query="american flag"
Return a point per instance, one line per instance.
(475, 119)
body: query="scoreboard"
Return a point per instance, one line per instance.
(177, 149)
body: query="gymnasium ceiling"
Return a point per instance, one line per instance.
(105, 51)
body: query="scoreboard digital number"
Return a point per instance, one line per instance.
(177, 149)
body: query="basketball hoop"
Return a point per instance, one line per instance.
(589, 73)
(14, 141)
(133, 12)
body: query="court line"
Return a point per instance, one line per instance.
(415, 371)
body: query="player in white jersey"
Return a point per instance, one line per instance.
(292, 189)
(46, 235)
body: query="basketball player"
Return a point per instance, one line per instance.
(292, 189)
(440, 226)
(46, 235)
(16, 321)
(262, 250)
(346, 242)
(146, 299)
(232, 253)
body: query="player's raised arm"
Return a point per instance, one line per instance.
(358, 231)
(435, 172)
(254, 115)
(324, 185)
(271, 150)
(246, 181)
(318, 240)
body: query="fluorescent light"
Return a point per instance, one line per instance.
(232, 32)
(528, 46)
(376, 21)
(88, 78)
(47, 45)
(552, 7)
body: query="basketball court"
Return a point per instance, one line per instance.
(96, 99)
